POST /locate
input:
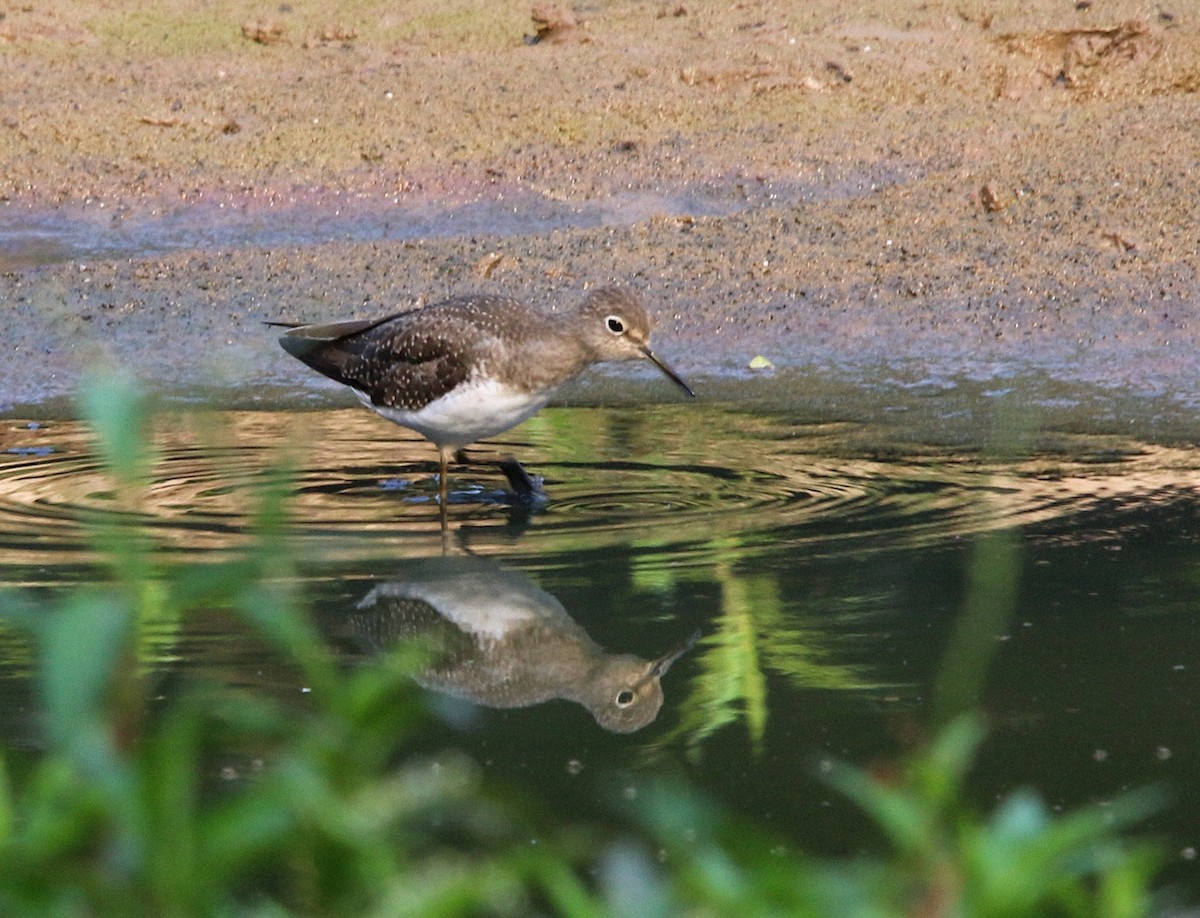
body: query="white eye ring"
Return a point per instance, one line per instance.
(615, 324)
(625, 698)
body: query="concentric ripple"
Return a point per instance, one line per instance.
(196, 499)
(655, 475)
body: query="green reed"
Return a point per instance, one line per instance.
(209, 800)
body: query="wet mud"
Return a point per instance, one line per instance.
(866, 192)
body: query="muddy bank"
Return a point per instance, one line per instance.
(863, 191)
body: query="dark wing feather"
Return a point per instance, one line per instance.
(409, 364)
(403, 361)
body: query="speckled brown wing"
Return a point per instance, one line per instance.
(408, 362)
(396, 619)
(415, 358)
(403, 361)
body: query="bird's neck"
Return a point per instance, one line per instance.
(555, 356)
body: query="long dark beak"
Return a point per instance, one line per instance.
(663, 663)
(668, 372)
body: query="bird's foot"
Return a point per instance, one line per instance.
(526, 489)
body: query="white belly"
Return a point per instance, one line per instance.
(469, 413)
(488, 603)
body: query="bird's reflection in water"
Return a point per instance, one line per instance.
(499, 640)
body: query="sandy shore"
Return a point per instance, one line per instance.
(943, 189)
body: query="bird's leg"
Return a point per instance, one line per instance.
(443, 492)
(443, 484)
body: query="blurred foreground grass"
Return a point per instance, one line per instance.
(119, 813)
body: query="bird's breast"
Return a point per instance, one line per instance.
(469, 412)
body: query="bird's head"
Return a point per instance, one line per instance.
(618, 328)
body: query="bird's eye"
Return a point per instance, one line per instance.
(624, 698)
(615, 325)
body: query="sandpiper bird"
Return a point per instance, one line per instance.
(497, 639)
(472, 366)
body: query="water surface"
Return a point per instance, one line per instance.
(850, 589)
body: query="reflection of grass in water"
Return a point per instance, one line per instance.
(121, 813)
(992, 581)
(754, 633)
